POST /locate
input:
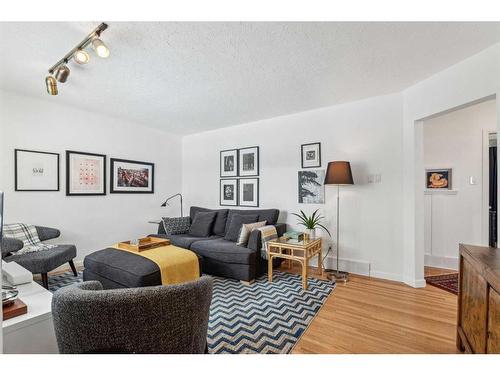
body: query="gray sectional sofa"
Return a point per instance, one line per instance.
(221, 257)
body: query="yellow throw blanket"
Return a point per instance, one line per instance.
(177, 265)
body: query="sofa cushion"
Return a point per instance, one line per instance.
(185, 240)
(202, 224)
(269, 215)
(245, 231)
(176, 225)
(224, 251)
(44, 261)
(219, 227)
(235, 225)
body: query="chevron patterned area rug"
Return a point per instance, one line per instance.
(263, 317)
(259, 318)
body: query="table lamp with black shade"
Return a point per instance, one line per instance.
(338, 173)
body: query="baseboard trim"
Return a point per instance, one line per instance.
(386, 275)
(358, 267)
(441, 262)
(415, 283)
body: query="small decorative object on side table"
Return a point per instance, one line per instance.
(292, 250)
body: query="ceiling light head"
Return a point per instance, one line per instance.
(51, 84)
(62, 73)
(100, 48)
(81, 56)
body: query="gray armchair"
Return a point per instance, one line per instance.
(157, 319)
(40, 262)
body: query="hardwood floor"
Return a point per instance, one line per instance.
(433, 271)
(369, 315)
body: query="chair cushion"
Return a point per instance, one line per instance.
(219, 227)
(236, 223)
(224, 251)
(45, 260)
(185, 240)
(202, 224)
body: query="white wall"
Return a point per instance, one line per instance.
(92, 222)
(471, 80)
(367, 133)
(455, 140)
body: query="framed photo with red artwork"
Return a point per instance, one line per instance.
(85, 173)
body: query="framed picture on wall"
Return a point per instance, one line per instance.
(36, 170)
(438, 178)
(311, 155)
(248, 161)
(229, 163)
(130, 176)
(228, 192)
(312, 186)
(249, 192)
(85, 173)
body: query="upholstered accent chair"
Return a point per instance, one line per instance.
(40, 262)
(157, 319)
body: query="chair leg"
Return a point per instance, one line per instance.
(73, 268)
(45, 281)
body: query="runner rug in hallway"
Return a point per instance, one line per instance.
(259, 318)
(447, 282)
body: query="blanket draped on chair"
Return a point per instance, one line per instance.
(28, 234)
(268, 233)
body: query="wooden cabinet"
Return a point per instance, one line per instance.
(478, 326)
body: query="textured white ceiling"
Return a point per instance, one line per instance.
(191, 77)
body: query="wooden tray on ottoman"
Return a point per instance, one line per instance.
(147, 243)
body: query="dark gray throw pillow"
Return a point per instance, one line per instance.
(202, 224)
(176, 225)
(236, 223)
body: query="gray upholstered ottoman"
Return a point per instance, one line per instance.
(122, 269)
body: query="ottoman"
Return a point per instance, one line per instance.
(122, 269)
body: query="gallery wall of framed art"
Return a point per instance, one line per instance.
(36, 170)
(239, 163)
(311, 182)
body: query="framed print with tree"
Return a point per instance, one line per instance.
(85, 173)
(249, 192)
(229, 163)
(130, 176)
(248, 161)
(311, 155)
(36, 170)
(228, 192)
(312, 186)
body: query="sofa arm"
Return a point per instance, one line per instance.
(255, 239)
(161, 228)
(46, 233)
(10, 245)
(280, 228)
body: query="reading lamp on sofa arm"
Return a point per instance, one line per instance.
(164, 204)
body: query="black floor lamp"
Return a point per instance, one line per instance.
(339, 173)
(173, 196)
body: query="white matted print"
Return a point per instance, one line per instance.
(248, 161)
(249, 192)
(311, 155)
(85, 173)
(130, 176)
(228, 192)
(229, 163)
(36, 170)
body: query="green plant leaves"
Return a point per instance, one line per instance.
(311, 222)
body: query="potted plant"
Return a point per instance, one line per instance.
(311, 223)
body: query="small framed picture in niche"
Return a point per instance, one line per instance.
(249, 192)
(229, 163)
(311, 155)
(438, 178)
(228, 193)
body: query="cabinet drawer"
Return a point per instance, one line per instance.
(474, 290)
(493, 345)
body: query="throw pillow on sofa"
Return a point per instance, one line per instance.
(202, 224)
(245, 231)
(176, 225)
(236, 223)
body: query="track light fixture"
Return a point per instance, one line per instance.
(60, 71)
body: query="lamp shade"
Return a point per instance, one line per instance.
(338, 173)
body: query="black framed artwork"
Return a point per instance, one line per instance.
(438, 178)
(311, 155)
(248, 160)
(229, 163)
(228, 192)
(248, 195)
(36, 170)
(131, 176)
(85, 173)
